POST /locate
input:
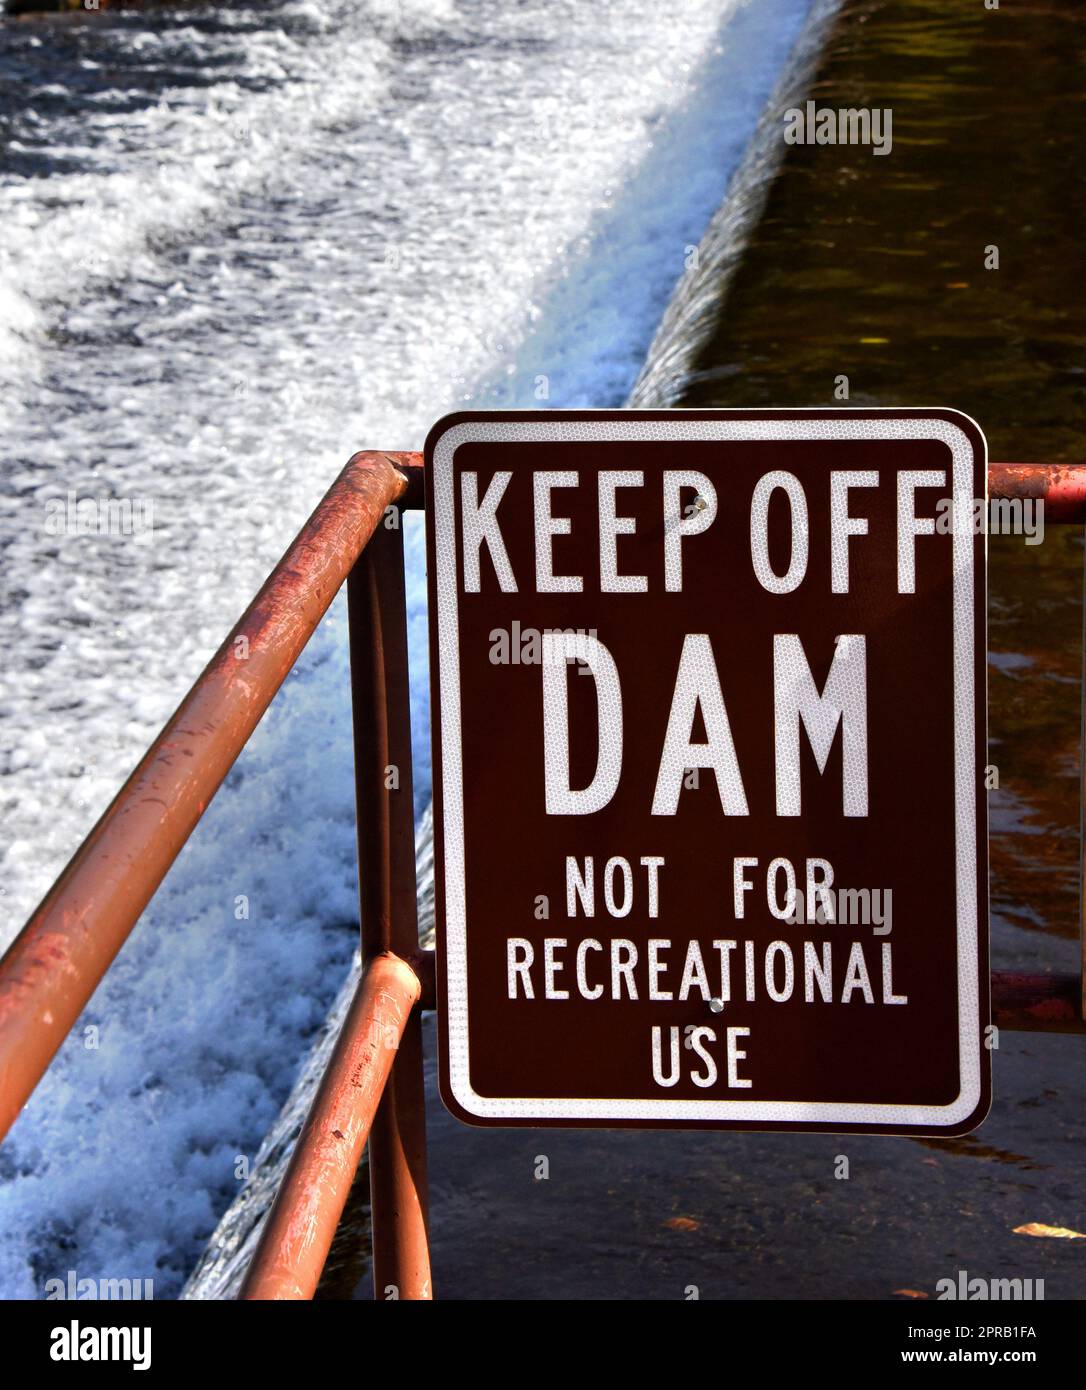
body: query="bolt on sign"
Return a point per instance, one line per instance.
(709, 744)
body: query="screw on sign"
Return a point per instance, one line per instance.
(709, 736)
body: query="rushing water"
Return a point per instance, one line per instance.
(239, 243)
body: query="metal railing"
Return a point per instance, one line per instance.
(372, 1090)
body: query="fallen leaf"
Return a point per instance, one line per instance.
(681, 1223)
(1037, 1228)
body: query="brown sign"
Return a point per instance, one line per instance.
(709, 746)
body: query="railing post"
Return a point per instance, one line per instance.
(386, 852)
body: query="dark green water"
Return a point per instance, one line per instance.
(873, 267)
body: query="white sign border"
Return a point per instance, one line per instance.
(633, 426)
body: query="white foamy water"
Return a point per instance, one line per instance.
(240, 244)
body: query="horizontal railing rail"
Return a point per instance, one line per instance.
(52, 968)
(1061, 486)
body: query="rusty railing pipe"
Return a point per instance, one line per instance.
(380, 695)
(299, 1228)
(1061, 486)
(53, 967)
